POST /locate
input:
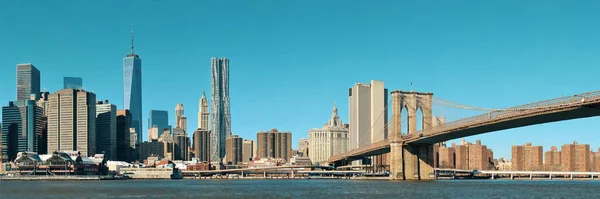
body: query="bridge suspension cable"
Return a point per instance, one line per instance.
(538, 105)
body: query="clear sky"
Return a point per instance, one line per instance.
(291, 60)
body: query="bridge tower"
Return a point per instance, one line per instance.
(410, 162)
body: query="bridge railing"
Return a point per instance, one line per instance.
(508, 112)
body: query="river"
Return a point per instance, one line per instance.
(377, 189)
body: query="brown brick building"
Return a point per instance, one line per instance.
(552, 160)
(575, 157)
(466, 156)
(274, 144)
(527, 158)
(233, 150)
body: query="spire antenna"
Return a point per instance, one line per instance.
(132, 38)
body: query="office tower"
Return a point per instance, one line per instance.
(233, 150)
(28, 81)
(132, 87)
(178, 116)
(106, 129)
(274, 144)
(202, 144)
(247, 150)
(72, 83)
(160, 119)
(132, 138)
(42, 103)
(527, 158)
(368, 116)
(22, 126)
(328, 141)
(153, 133)
(152, 148)
(203, 113)
(123, 148)
(72, 121)
(181, 147)
(221, 118)
(303, 147)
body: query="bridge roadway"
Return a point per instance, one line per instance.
(560, 109)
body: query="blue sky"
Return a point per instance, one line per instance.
(290, 60)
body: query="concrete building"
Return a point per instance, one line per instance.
(160, 119)
(123, 138)
(303, 147)
(28, 82)
(72, 83)
(202, 145)
(527, 158)
(21, 128)
(330, 140)
(274, 144)
(132, 89)
(368, 117)
(72, 121)
(203, 113)
(106, 129)
(153, 133)
(552, 160)
(248, 152)
(221, 116)
(133, 138)
(180, 119)
(233, 150)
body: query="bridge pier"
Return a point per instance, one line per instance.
(411, 162)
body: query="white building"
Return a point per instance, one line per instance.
(330, 140)
(368, 114)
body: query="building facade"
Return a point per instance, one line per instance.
(72, 83)
(233, 150)
(274, 144)
(180, 119)
(527, 158)
(160, 120)
(330, 140)
(203, 113)
(552, 160)
(72, 121)
(123, 138)
(202, 145)
(28, 82)
(472, 156)
(367, 114)
(446, 157)
(248, 152)
(106, 129)
(303, 147)
(22, 127)
(221, 117)
(132, 89)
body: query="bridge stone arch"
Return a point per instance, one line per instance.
(412, 102)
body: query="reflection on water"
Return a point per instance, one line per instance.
(300, 189)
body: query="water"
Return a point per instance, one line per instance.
(377, 189)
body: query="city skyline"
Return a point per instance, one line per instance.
(506, 62)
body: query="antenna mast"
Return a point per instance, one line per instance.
(132, 38)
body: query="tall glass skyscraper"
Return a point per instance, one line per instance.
(28, 81)
(160, 119)
(21, 128)
(73, 83)
(221, 117)
(132, 89)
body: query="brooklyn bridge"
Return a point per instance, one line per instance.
(412, 153)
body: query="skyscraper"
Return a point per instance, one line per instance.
(132, 88)
(123, 149)
(72, 121)
(203, 113)
(274, 144)
(72, 82)
(178, 115)
(106, 129)
(202, 144)
(221, 117)
(21, 128)
(28, 82)
(248, 152)
(159, 119)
